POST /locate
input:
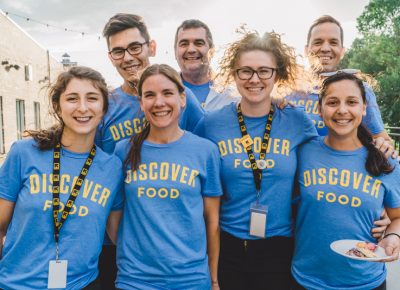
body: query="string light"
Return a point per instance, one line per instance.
(82, 33)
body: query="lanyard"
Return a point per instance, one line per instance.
(74, 192)
(256, 165)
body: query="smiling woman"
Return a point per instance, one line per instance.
(172, 191)
(345, 183)
(258, 144)
(59, 169)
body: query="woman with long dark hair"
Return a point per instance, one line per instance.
(345, 183)
(56, 192)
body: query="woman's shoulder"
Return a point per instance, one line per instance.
(122, 149)
(221, 114)
(107, 158)
(291, 112)
(199, 142)
(26, 145)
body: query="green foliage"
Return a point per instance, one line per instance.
(378, 54)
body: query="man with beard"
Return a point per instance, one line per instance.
(194, 48)
(129, 50)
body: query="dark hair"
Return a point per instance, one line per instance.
(321, 20)
(195, 23)
(47, 139)
(123, 21)
(134, 155)
(376, 163)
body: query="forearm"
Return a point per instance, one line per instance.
(2, 235)
(113, 225)
(394, 227)
(211, 217)
(384, 135)
(6, 212)
(213, 243)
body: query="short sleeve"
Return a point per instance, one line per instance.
(211, 184)
(373, 119)
(392, 186)
(10, 175)
(192, 113)
(199, 130)
(98, 139)
(119, 199)
(309, 130)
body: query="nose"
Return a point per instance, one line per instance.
(342, 108)
(159, 101)
(191, 47)
(127, 56)
(325, 46)
(254, 78)
(83, 105)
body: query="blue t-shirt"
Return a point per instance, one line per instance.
(290, 128)
(200, 91)
(124, 118)
(372, 120)
(339, 200)
(162, 237)
(25, 179)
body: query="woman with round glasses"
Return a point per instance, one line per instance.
(57, 190)
(345, 183)
(258, 144)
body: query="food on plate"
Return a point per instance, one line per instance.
(363, 250)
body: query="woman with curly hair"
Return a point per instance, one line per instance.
(258, 144)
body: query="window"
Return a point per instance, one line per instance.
(28, 72)
(36, 107)
(20, 118)
(2, 149)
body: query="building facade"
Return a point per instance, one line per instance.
(26, 70)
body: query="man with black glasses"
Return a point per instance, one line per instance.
(129, 50)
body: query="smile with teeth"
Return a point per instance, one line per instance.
(325, 58)
(132, 68)
(191, 58)
(255, 89)
(82, 119)
(161, 113)
(342, 121)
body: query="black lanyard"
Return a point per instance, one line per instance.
(256, 166)
(74, 192)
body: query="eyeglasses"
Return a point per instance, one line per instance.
(133, 49)
(351, 71)
(263, 73)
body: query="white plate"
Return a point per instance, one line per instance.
(342, 246)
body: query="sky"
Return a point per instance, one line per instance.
(290, 18)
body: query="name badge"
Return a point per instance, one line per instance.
(258, 220)
(57, 274)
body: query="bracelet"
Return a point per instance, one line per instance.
(214, 282)
(391, 234)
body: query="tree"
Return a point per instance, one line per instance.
(377, 53)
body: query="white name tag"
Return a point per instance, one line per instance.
(258, 220)
(57, 274)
